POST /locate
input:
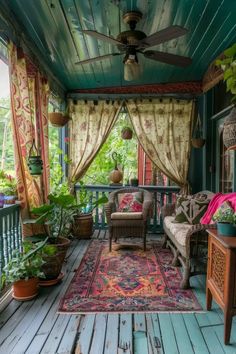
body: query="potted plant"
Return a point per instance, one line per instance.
(126, 133)
(83, 218)
(59, 119)
(24, 270)
(35, 163)
(8, 188)
(228, 65)
(57, 218)
(226, 221)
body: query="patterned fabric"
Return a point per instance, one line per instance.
(90, 126)
(130, 202)
(178, 230)
(127, 279)
(29, 103)
(163, 128)
(190, 209)
(126, 216)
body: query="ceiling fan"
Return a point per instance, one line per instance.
(133, 42)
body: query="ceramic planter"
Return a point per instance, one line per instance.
(52, 267)
(35, 165)
(83, 226)
(24, 290)
(226, 229)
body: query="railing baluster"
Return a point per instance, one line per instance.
(10, 234)
(97, 211)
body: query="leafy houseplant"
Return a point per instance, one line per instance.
(24, 269)
(228, 65)
(57, 218)
(8, 187)
(226, 221)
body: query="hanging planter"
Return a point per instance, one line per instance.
(126, 133)
(58, 119)
(35, 162)
(229, 132)
(197, 139)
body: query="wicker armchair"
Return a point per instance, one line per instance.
(127, 224)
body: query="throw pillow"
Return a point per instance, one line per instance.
(190, 209)
(130, 202)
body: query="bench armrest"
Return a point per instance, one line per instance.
(167, 210)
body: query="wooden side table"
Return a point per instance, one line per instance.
(221, 277)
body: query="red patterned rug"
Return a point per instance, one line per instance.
(127, 280)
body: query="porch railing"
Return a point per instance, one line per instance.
(161, 196)
(10, 234)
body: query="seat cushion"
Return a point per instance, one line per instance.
(179, 231)
(126, 216)
(130, 202)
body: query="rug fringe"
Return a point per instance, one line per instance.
(129, 312)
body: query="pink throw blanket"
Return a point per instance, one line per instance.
(214, 204)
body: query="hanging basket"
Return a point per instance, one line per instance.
(229, 131)
(127, 133)
(57, 119)
(198, 143)
(35, 162)
(197, 140)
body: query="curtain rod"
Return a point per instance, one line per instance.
(115, 97)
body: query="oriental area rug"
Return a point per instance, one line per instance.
(127, 280)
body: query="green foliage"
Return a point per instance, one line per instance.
(58, 215)
(87, 201)
(227, 216)
(228, 65)
(7, 154)
(101, 167)
(7, 184)
(25, 264)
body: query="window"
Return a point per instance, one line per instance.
(226, 166)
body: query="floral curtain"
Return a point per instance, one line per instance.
(29, 102)
(90, 126)
(163, 128)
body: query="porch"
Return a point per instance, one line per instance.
(35, 326)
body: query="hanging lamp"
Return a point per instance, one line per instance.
(197, 138)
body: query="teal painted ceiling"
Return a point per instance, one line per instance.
(55, 26)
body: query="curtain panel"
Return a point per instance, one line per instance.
(89, 128)
(29, 103)
(164, 128)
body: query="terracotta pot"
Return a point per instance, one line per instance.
(57, 119)
(126, 133)
(25, 289)
(198, 142)
(83, 226)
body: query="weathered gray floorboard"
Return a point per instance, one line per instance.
(35, 327)
(111, 340)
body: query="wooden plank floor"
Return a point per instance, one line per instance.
(35, 327)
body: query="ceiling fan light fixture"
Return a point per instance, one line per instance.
(132, 71)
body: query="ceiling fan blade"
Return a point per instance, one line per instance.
(163, 36)
(102, 37)
(102, 57)
(168, 58)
